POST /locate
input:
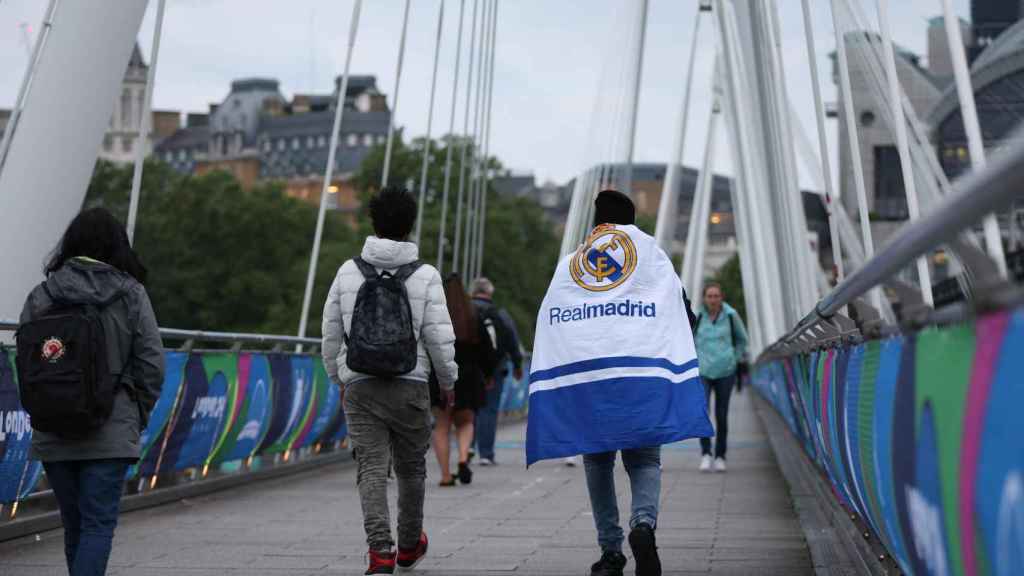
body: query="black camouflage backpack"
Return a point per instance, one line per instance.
(380, 340)
(64, 381)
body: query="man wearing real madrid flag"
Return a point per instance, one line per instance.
(615, 370)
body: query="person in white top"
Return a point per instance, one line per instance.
(379, 345)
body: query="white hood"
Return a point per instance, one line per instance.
(389, 254)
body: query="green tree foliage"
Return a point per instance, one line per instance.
(520, 247)
(647, 223)
(731, 279)
(221, 258)
(225, 259)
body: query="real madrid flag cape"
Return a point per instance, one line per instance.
(614, 364)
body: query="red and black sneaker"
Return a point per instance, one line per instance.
(381, 562)
(408, 559)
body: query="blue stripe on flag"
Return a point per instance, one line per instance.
(615, 414)
(613, 362)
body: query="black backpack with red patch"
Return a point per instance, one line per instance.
(64, 380)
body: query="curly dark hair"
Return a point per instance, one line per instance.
(393, 213)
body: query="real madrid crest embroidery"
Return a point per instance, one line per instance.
(605, 261)
(52, 349)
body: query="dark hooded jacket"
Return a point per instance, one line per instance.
(505, 337)
(135, 358)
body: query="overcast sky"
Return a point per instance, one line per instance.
(555, 58)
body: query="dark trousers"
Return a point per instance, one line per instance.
(722, 387)
(487, 419)
(88, 493)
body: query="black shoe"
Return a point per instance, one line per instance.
(465, 474)
(610, 564)
(645, 553)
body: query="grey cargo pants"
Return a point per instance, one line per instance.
(388, 417)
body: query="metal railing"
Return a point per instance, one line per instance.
(190, 337)
(976, 195)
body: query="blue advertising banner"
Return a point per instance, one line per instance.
(920, 436)
(253, 414)
(18, 475)
(210, 376)
(283, 402)
(327, 404)
(152, 437)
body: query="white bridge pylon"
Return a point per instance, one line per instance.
(783, 279)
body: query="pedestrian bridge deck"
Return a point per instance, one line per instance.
(510, 520)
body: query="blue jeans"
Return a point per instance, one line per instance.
(643, 465)
(487, 419)
(88, 493)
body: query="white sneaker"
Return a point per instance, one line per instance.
(705, 463)
(487, 462)
(719, 464)
(571, 461)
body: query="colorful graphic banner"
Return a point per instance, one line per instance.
(250, 415)
(922, 436)
(286, 404)
(153, 436)
(18, 474)
(214, 409)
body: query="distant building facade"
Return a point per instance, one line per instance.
(648, 181)
(997, 76)
(990, 18)
(258, 135)
(883, 177)
(121, 139)
(940, 62)
(994, 42)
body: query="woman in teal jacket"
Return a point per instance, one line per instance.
(721, 341)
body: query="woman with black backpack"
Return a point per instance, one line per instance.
(90, 367)
(477, 360)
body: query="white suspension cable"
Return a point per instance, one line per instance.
(451, 145)
(430, 124)
(339, 110)
(487, 145)
(969, 112)
(394, 107)
(635, 100)
(768, 294)
(868, 51)
(467, 142)
(473, 218)
(471, 206)
(700, 212)
(26, 81)
(668, 213)
(857, 165)
(924, 276)
(144, 120)
(804, 262)
(578, 186)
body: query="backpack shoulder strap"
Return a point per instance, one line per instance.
(699, 318)
(368, 271)
(404, 272)
(732, 330)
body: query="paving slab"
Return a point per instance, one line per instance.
(510, 520)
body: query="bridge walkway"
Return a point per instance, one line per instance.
(510, 520)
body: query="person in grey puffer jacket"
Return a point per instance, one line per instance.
(391, 417)
(93, 264)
